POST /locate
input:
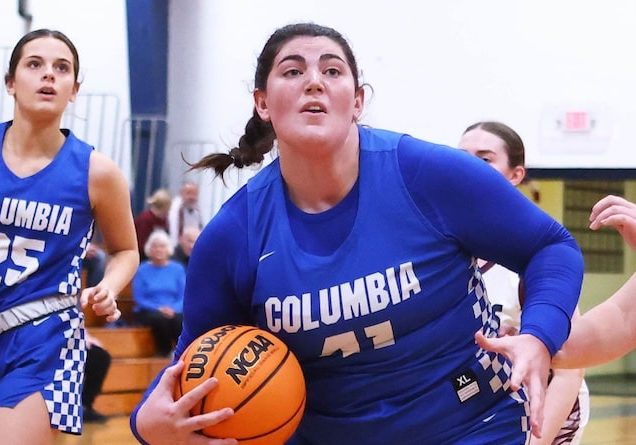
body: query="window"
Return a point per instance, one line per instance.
(602, 249)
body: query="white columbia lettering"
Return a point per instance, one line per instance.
(35, 215)
(359, 297)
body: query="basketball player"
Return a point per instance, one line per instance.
(52, 185)
(567, 398)
(607, 331)
(358, 248)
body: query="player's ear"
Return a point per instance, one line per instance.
(358, 105)
(260, 104)
(76, 88)
(9, 85)
(516, 175)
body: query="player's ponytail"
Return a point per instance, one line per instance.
(252, 147)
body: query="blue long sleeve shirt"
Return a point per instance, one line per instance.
(159, 286)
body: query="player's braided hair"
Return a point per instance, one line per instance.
(257, 141)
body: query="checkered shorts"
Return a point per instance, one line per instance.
(47, 356)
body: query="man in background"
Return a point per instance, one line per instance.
(184, 211)
(186, 243)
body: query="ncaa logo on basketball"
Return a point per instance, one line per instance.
(196, 368)
(250, 357)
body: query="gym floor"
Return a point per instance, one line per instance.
(612, 422)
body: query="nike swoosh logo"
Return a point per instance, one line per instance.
(40, 321)
(488, 419)
(268, 254)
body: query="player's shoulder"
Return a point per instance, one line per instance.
(415, 148)
(230, 221)
(442, 162)
(407, 146)
(223, 240)
(76, 147)
(235, 206)
(103, 170)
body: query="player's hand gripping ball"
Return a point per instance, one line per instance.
(259, 377)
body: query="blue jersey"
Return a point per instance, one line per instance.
(367, 321)
(383, 318)
(45, 225)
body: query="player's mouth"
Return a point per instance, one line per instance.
(314, 108)
(47, 91)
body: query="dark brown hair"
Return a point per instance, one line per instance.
(259, 135)
(16, 54)
(512, 141)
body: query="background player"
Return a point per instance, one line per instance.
(356, 247)
(567, 397)
(52, 185)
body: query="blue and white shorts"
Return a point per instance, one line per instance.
(46, 355)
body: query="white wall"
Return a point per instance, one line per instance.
(98, 30)
(435, 68)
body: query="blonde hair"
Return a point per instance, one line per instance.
(160, 199)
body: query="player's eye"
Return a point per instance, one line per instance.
(64, 67)
(292, 72)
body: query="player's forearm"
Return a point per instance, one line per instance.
(553, 284)
(120, 269)
(559, 399)
(599, 336)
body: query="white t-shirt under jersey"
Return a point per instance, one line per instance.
(502, 287)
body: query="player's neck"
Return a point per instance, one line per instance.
(25, 137)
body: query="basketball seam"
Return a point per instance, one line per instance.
(263, 383)
(300, 406)
(273, 373)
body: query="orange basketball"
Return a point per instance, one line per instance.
(259, 377)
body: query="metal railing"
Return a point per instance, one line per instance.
(147, 136)
(94, 118)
